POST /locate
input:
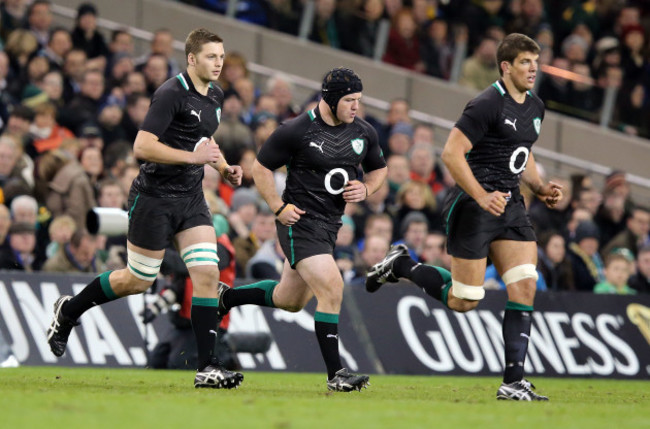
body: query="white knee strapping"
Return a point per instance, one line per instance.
(143, 267)
(463, 291)
(520, 272)
(200, 254)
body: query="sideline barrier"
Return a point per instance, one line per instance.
(574, 334)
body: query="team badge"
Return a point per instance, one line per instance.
(537, 122)
(219, 116)
(357, 146)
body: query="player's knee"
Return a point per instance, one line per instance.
(519, 273)
(467, 292)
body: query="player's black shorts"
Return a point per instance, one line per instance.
(307, 237)
(470, 229)
(153, 221)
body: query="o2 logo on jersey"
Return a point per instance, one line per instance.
(513, 160)
(328, 180)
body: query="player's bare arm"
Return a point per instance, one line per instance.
(147, 147)
(550, 193)
(287, 214)
(230, 173)
(453, 155)
(357, 191)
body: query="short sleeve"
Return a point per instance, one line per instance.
(166, 102)
(480, 114)
(374, 159)
(281, 144)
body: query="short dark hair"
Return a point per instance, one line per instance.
(116, 33)
(512, 45)
(197, 38)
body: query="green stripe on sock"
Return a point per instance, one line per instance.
(267, 286)
(326, 317)
(446, 275)
(205, 302)
(516, 306)
(106, 285)
(445, 293)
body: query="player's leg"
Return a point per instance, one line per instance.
(198, 249)
(515, 261)
(434, 281)
(322, 275)
(142, 269)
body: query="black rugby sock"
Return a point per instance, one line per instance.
(516, 331)
(327, 333)
(260, 293)
(204, 325)
(432, 280)
(97, 292)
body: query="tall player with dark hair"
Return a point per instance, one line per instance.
(323, 149)
(488, 154)
(166, 203)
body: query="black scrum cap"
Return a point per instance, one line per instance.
(337, 83)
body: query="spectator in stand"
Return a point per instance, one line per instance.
(246, 160)
(417, 196)
(121, 43)
(584, 100)
(137, 106)
(90, 135)
(134, 83)
(10, 171)
(481, 15)
(373, 204)
(70, 191)
(59, 44)
(634, 236)
(109, 122)
(19, 254)
(585, 260)
(37, 68)
(86, 37)
(52, 86)
(93, 165)
(267, 262)
(263, 126)
(436, 49)
(413, 232)
(327, 25)
(578, 215)
(631, 116)
(60, 231)
(364, 28)
(85, 106)
(400, 139)
(640, 280)
(20, 47)
(155, 71)
(74, 69)
(545, 219)
(116, 158)
(403, 47)
(553, 262)
(5, 223)
(588, 199)
(262, 229)
(374, 250)
(280, 87)
(244, 206)
(529, 19)
(398, 174)
(480, 70)
(47, 134)
(434, 249)
(162, 44)
(12, 16)
(618, 268)
(233, 135)
(377, 224)
(39, 20)
(246, 90)
(422, 162)
(615, 208)
(120, 67)
(398, 111)
(234, 68)
(77, 256)
(129, 174)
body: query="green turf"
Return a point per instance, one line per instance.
(119, 398)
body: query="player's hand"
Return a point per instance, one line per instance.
(354, 192)
(206, 151)
(290, 215)
(233, 174)
(550, 194)
(494, 202)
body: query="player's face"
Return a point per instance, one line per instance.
(348, 107)
(209, 61)
(523, 71)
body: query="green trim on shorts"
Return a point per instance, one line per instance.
(106, 286)
(205, 302)
(268, 286)
(293, 253)
(135, 201)
(451, 210)
(326, 317)
(445, 294)
(510, 305)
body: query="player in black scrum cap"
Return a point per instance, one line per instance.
(322, 149)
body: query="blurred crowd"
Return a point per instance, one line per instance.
(600, 43)
(71, 103)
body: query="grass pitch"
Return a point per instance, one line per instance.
(119, 398)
